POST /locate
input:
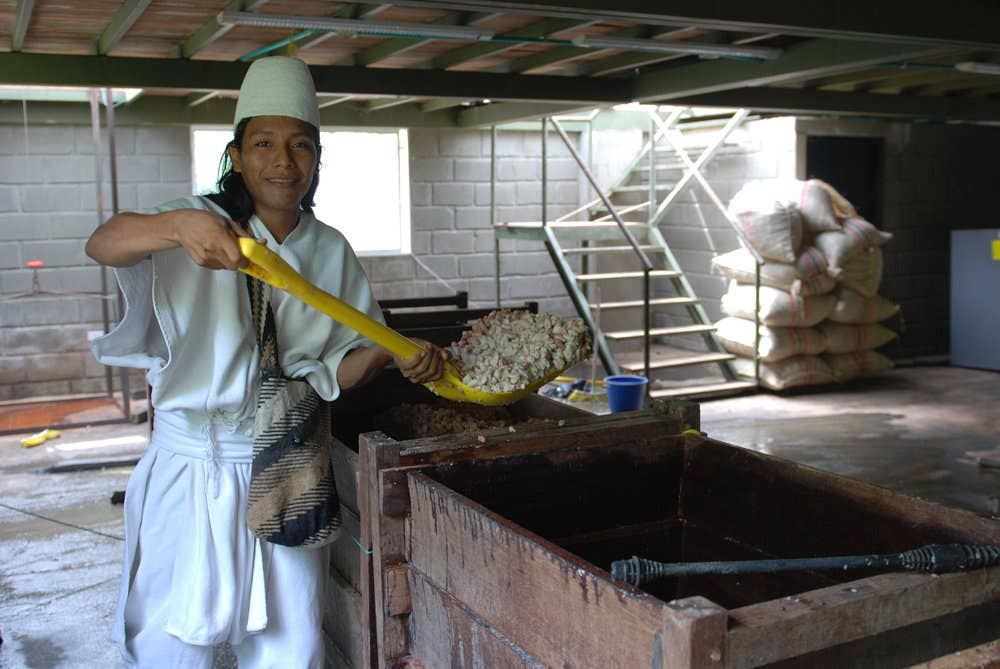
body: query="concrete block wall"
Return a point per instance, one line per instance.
(48, 210)
(450, 218)
(938, 178)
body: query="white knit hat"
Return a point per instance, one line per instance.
(278, 86)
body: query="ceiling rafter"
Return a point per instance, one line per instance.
(392, 47)
(213, 30)
(971, 23)
(25, 8)
(543, 28)
(809, 59)
(366, 11)
(563, 54)
(121, 23)
(631, 60)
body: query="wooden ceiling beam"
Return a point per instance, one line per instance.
(121, 23)
(25, 8)
(809, 59)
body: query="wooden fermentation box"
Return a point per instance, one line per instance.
(497, 554)
(349, 624)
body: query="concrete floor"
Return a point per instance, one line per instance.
(919, 430)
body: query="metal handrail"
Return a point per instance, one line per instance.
(644, 259)
(647, 265)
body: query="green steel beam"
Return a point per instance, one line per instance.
(442, 103)
(797, 101)
(813, 58)
(213, 30)
(121, 23)
(21, 22)
(959, 23)
(538, 29)
(101, 71)
(508, 112)
(166, 111)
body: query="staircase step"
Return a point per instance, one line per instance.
(686, 361)
(656, 273)
(659, 332)
(638, 303)
(714, 389)
(611, 249)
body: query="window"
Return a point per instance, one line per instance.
(363, 190)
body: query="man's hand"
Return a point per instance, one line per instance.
(210, 239)
(427, 365)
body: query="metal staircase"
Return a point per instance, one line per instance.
(625, 269)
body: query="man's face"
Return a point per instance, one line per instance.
(277, 160)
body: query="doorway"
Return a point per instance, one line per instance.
(852, 165)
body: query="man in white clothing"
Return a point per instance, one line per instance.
(194, 574)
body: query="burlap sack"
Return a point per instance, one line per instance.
(852, 307)
(777, 307)
(801, 370)
(844, 338)
(737, 335)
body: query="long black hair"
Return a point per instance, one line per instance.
(233, 195)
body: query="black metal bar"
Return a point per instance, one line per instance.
(933, 558)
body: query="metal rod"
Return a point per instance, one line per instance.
(493, 206)
(109, 118)
(646, 264)
(95, 134)
(545, 175)
(933, 558)
(705, 156)
(756, 321)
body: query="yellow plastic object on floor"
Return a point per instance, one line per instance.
(270, 268)
(40, 438)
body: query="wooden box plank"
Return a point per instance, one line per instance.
(560, 607)
(345, 553)
(341, 622)
(784, 628)
(345, 474)
(448, 634)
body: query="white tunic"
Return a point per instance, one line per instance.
(191, 329)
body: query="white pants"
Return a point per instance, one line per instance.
(195, 576)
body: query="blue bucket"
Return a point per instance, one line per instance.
(626, 393)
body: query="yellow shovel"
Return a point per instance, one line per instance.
(270, 268)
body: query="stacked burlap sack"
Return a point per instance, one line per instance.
(820, 311)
